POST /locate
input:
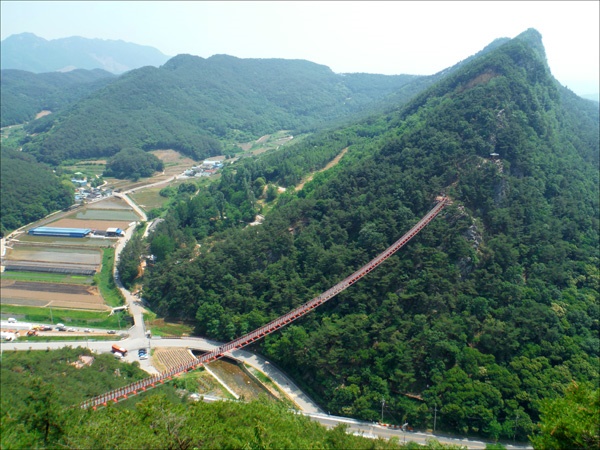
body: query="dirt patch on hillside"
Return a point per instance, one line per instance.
(171, 156)
(329, 165)
(42, 113)
(480, 79)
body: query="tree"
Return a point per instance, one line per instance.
(572, 421)
(43, 415)
(132, 163)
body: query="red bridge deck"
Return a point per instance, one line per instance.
(149, 383)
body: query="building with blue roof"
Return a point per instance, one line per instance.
(60, 232)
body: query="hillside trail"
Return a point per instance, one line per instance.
(329, 165)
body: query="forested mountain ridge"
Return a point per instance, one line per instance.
(25, 202)
(190, 102)
(26, 51)
(490, 310)
(24, 94)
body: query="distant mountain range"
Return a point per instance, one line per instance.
(191, 104)
(24, 94)
(26, 51)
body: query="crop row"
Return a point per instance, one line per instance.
(173, 357)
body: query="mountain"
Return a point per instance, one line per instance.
(31, 53)
(25, 94)
(491, 310)
(190, 102)
(24, 202)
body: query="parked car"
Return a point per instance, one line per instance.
(112, 332)
(71, 329)
(87, 330)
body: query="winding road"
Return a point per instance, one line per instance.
(137, 339)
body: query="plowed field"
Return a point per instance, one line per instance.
(167, 358)
(51, 295)
(49, 287)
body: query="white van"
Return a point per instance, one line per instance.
(12, 320)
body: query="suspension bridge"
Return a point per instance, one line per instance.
(156, 380)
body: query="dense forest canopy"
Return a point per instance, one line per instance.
(190, 103)
(492, 309)
(41, 388)
(24, 94)
(132, 163)
(30, 190)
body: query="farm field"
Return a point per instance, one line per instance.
(95, 167)
(66, 242)
(39, 268)
(148, 199)
(59, 255)
(70, 317)
(47, 277)
(106, 215)
(167, 358)
(109, 203)
(51, 295)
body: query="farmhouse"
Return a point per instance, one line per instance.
(60, 232)
(112, 232)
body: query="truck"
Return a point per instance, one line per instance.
(8, 335)
(118, 349)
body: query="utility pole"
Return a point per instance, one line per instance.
(382, 403)
(516, 425)
(434, 416)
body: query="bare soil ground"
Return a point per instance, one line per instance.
(174, 162)
(167, 358)
(329, 165)
(43, 113)
(55, 255)
(49, 287)
(53, 299)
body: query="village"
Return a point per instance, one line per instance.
(206, 169)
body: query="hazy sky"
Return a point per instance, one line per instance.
(391, 37)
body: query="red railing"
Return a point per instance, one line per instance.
(149, 383)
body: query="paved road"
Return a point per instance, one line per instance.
(133, 205)
(137, 339)
(372, 430)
